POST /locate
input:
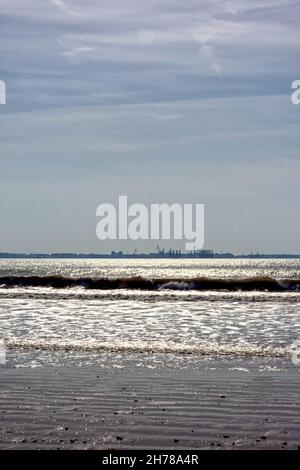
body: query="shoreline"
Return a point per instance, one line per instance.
(69, 407)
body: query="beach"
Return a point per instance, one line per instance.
(177, 367)
(149, 243)
(138, 408)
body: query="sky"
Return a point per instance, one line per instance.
(168, 101)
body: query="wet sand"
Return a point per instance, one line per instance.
(138, 408)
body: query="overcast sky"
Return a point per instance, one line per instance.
(161, 100)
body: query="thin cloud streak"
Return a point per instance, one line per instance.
(64, 7)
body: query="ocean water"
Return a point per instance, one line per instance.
(174, 312)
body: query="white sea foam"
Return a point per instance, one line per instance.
(204, 349)
(175, 320)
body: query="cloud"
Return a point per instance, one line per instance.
(63, 6)
(78, 51)
(209, 53)
(135, 52)
(165, 117)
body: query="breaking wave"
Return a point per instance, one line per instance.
(165, 295)
(202, 349)
(250, 284)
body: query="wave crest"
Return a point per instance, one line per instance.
(202, 349)
(249, 284)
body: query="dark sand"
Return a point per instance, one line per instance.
(94, 408)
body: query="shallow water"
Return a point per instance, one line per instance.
(133, 321)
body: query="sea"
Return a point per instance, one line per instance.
(152, 313)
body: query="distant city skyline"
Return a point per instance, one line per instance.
(165, 101)
(161, 254)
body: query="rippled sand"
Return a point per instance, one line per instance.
(99, 408)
